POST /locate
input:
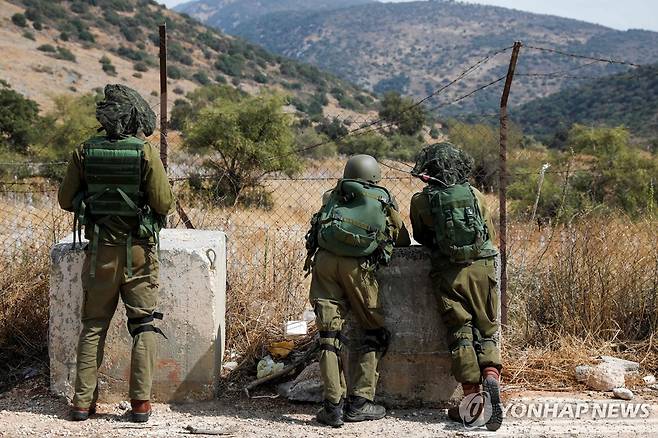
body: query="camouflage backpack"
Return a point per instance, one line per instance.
(353, 222)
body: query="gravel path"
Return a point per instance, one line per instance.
(29, 410)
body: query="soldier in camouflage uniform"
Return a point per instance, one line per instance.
(451, 217)
(353, 233)
(118, 190)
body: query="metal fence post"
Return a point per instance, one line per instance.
(503, 180)
(163, 96)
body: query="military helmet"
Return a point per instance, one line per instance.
(363, 167)
(444, 162)
(123, 112)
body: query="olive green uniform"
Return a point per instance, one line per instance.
(467, 297)
(343, 284)
(139, 292)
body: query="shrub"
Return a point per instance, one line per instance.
(65, 54)
(29, 35)
(37, 25)
(107, 66)
(231, 65)
(201, 77)
(47, 48)
(85, 35)
(18, 116)
(260, 78)
(19, 20)
(64, 36)
(174, 72)
(140, 66)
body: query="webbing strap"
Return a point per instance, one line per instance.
(147, 328)
(331, 348)
(129, 254)
(356, 223)
(94, 252)
(127, 199)
(145, 319)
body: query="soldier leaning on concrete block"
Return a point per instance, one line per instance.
(353, 233)
(117, 188)
(451, 218)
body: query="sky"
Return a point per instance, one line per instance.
(626, 14)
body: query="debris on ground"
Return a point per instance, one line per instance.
(649, 380)
(307, 387)
(602, 377)
(623, 393)
(230, 366)
(124, 405)
(295, 328)
(196, 431)
(266, 367)
(281, 350)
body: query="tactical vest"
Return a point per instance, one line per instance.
(353, 221)
(460, 232)
(113, 174)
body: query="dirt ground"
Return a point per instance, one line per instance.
(30, 410)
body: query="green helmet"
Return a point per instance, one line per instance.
(444, 162)
(364, 167)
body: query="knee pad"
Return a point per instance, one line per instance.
(377, 340)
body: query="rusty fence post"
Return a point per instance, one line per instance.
(503, 179)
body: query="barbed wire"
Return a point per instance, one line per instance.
(576, 55)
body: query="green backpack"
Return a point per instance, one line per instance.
(460, 231)
(353, 221)
(113, 176)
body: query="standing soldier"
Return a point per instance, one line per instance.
(353, 233)
(451, 217)
(118, 190)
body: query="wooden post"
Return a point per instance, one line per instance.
(503, 179)
(164, 146)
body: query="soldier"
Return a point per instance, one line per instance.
(353, 233)
(117, 187)
(451, 217)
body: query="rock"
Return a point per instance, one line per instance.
(230, 365)
(602, 377)
(623, 393)
(649, 380)
(307, 387)
(627, 365)
(124, 405)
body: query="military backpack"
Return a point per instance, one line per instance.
(353, 222)
(460, 231)
(113, 174)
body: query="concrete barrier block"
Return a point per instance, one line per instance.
(416, 369)
(192, 298)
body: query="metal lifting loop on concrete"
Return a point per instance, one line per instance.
(212, 259)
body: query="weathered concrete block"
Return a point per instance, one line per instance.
(192, 298)
(416, 369)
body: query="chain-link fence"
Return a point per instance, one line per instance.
(570, 268)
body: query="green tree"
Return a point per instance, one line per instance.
(402, 112)
(18, 116)
(244, 141)
(314, 144)
(369, 143)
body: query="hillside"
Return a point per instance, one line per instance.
(51, 48)
(228, 15)
(627, 99)
(416, 47)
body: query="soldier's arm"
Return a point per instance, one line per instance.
(72, 183)
(421, 232)
(486, 212)
(398, 230)
(158, 190)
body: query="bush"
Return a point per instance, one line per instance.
(141, 66)
(29, 35)
(19, 20)
(333, 129)
(230, 65)
(201, 77)
(64, 36)
(18, 116)
(37, 25)
(307, 141)
(65, 54)
(371, 144)
(47, 48)
(174, 72)
(107, 66)
(408, 117)
(85, 35)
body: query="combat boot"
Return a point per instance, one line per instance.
(82, 414)
(491, 385)
(141, 411)
(362, 409)
(468, 388)
(331, 414)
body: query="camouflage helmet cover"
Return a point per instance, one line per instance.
(364, 167)
(123, 112)
(444, 162)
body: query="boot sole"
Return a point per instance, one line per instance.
(351, 418)
(334, 425)
(140, 418)
(492, 387)
(79, 416)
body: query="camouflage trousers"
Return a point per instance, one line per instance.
(340, 285)
(139, 294)
(469, 303)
